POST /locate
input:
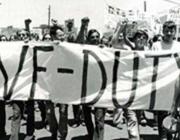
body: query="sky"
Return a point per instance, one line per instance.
(13, 12)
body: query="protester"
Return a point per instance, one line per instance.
(70, 31)
(97, 132)
(18, 108)
(83, 113)
(91, 37)
(23, 35)
(118, 39)
(167, 43)
(140, 41)
(3, 38)
(105, 41)
(82, 35)
(3, 119)
(81, 38)
(58, 130)
(47, 37)
(71, 36)
(34, 36)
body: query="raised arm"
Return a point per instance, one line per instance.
(81, 38)
(126, 39)
(121, 29)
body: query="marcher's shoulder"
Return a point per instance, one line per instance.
(176, 45)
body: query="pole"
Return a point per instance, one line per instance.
(145, 6)
(49, 15)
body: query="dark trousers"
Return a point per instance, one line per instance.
(2, 118)
(77, 112)
(63, 121)
(42, 108)
(62, 127)
(30, 118)
(97, 132)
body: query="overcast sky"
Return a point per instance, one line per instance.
(13, 12)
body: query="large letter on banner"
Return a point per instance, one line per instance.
(134, 80)
(36, 67)
(4, 73)
(84, 77)
(73, 74)
(21, 63)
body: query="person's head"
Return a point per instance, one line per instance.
(140, 39)
(34, 36)
(23, 35)
(120, 37)
(70, 24)
(60, 35)
(157, 37)
(93, 37)
(105, 41)
(169, 31)
(47, 37)
(3, 38)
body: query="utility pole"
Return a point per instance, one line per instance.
(49, 15)
(145, 6)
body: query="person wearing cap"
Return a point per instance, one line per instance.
(167, 43)
(140, 42)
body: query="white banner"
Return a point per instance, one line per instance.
(75, 74)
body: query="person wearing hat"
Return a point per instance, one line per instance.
(140, 42)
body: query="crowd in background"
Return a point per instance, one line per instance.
(140, 41)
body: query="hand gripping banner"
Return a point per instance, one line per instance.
(78, 74)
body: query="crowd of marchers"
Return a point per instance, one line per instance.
(119, 39)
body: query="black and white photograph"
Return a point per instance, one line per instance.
(90, 70)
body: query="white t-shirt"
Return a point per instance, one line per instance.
(161, 45)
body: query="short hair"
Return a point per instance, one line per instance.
(90, 32)
(169, 24)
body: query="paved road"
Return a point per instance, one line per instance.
(79, 133)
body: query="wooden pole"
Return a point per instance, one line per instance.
(49, 16)
(145, 6)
